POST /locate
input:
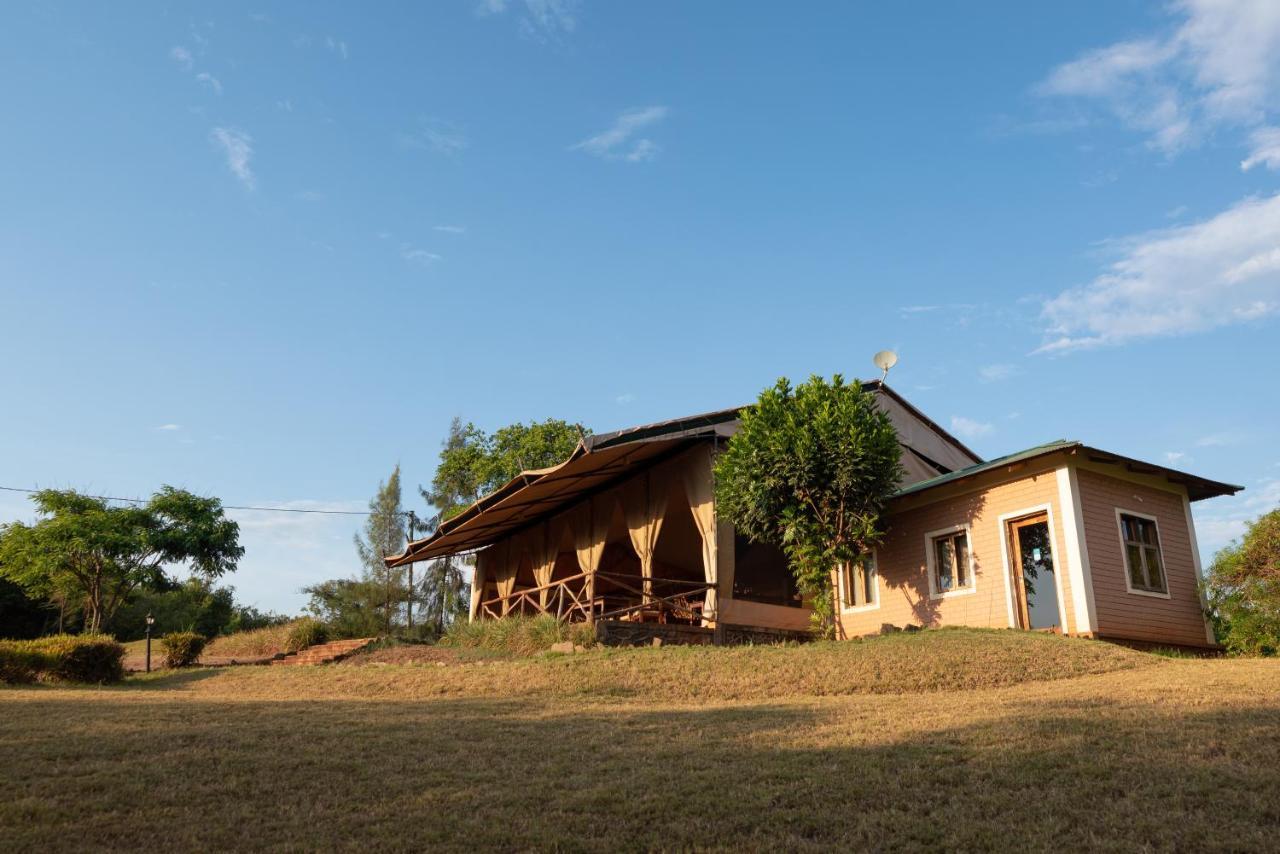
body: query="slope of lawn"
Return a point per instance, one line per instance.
(241, 646)
(956, 739)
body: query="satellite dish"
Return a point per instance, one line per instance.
(884, 360)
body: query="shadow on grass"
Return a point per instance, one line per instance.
(520, 774)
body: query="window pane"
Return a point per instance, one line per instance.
(1126, 529)
(846, 581)
(1133, 556)
(1155, 571)
(1147, 531)
(942, 548)
(962, 560)
(868, 581)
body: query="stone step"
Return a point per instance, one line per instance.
(325, 652)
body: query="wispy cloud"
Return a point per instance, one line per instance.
(436, 135)
(1223, 271)
(450, 229)
(997, 373)
(421, 257)
(336, 46)
(1222, 520)
(1218, 440)
(624, 399)
(968, 428)
(237, 147)
(540, 20)
(169, 427)
(619, 142)
(1216, 65)
(182, 56)
(1177, 458)
(1264, 144)
(207, 79)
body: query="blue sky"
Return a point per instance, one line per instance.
(268, 251)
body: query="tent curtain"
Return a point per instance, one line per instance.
(590, 521)
(644, 504)
(478, 578)
(544, 541)
(508, 562)
(699, 487)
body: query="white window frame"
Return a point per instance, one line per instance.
(842, 592)
(931, 561)
(1058, 567)
(1124, 554)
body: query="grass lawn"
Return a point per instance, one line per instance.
(956, 739)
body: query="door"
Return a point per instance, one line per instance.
(1035, 581)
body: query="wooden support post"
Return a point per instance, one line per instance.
(591, 598)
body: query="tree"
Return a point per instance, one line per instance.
(85, 550)
(810, 471)
(1243, 589)
(384, 536)
(350, 607)
(474, 463)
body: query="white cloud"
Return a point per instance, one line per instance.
(169, 427)
(435, 134)
(1217, 66)
(624, 399)
(998, 372)
(182, 56)
(918, 309)
(209, 80)
(1217, 440)
(450, 229)
(336, 46)
(969, 428)
(237, 146)
(1264, 146)
(418, 256)
(616, 142)
(1191, 278)
(1174, 458)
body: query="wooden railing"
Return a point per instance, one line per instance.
(655, 599)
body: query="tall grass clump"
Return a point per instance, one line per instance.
(253, 643)
(517, 635)
(304, 633)
(182, 649)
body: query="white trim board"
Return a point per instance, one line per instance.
(1077, 550)
(931, 561)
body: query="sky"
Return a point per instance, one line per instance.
(267, 251)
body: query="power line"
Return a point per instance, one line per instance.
(224, 507)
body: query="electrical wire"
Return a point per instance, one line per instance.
(224, 507)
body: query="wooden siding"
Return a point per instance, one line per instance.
(903, 581)
(1121, 614)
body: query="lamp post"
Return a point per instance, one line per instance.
(150, 622)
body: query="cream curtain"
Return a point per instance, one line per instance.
(508, 562)
(478, 578)
(590, 521)
(544, 542)
(644, 504)
(699, 487)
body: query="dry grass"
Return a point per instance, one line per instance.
(1157, 755)
(258, 643)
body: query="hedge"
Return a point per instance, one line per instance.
(182, 649)
(70, 658)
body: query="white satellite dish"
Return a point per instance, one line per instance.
(884, 360)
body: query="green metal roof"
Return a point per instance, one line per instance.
(989, 465)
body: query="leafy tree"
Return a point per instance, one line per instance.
(1244, 589)
(810, 471)
(384, 536)
(21, 616)
(82, 549)
(474, 463)
(351, 607)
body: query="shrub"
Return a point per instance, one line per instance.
(1243, 589)
(517, 635)
(73, 658)
(182, 649)
(304, 633)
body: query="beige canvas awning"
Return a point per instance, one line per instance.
(533, 495)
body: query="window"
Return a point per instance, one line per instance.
(1142, 558)
(858, 583)
(949, 566)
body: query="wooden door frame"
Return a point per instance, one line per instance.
(1022, 610)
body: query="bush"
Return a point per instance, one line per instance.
(1243, 589)
(517, 635)
(304, 633)
(72, 658)
(182, 649)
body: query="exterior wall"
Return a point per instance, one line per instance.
(1120, 613)
(902, 584)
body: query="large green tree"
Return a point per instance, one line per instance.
(83, 549)
(384, 537)
(1243, 588)
(810, 471)
(474, 463)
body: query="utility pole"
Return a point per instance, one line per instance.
(413, 524)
